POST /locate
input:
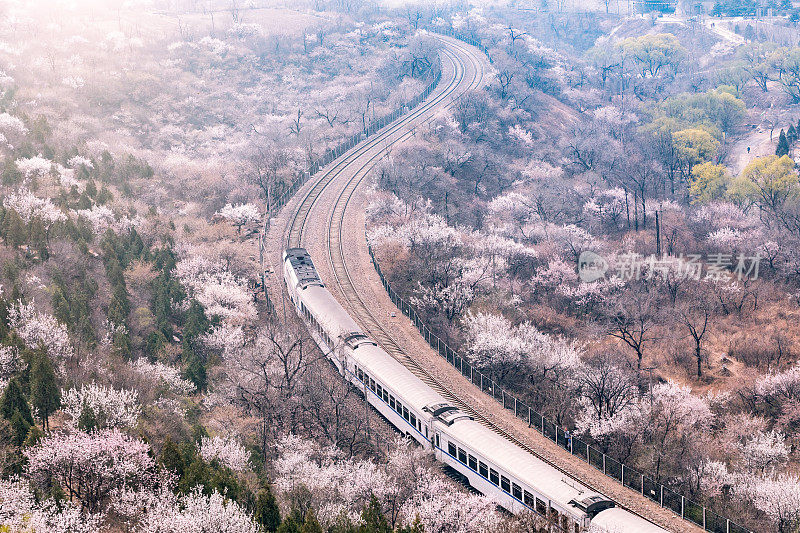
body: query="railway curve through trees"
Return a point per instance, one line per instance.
(327, 217)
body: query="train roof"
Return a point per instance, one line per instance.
(303, 266)
(412, 391)
(520, 464)
(328, 311)
(619, 520)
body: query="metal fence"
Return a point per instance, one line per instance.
(630, 477)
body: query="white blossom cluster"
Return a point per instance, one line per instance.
(36, 166)
(195, 513)
(77, 161)
(227, 450)
(10, 363)
(239, 214)
(493, 342)
(12, 125)
(216, 288)
(73, 82)
(343, 486)
(28, 207)
(164, 374)
(669, 405)
(35, 328)
(112, 408)
(784, 385)
(21, 512)
(101, 218)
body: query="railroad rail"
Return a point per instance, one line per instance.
(394, 134)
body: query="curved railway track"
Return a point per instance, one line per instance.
(392, 135)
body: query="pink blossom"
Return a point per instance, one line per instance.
(20, 512)
(90, 466)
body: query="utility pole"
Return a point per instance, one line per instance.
(658, 235)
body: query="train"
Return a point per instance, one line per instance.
(490, 463)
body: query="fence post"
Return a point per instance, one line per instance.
(623, 473)
(481, 381)
(529, 417)
(642, 484)
(604, 463)
(662, 496)
(542, 424)
(727, 525)
(683, 500)
(704, 517)
(504, 397)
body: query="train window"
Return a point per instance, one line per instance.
(516, 491)
(483, 469)
(391, 401)
(505, 484)
(372, 384)
(405, 413)
(564, 523)
(462, 456)
(494, 477)
(530, 501)
(577, 528)
(378, 389)
(437, 440)
(412, 419)
(541, 508)
(473, 463)
(426, 432)
(451, 449)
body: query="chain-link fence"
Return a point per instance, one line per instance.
(630, 477)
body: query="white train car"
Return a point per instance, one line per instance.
(492, 464)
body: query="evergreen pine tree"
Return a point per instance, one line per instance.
(45, 393)
(13, 401)
(19, 428)
(791, 135)
(171, 457)
(311, 524)
(292, 523)
(374, 521)
(267, 513)
(783, 145)
(87, 421)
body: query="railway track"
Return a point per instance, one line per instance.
(374, 151)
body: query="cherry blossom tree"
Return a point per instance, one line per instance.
(163, 375)
(91, 466)
(227, 450)
(494, 343)
(779, 498)
(764, 450)
(196, 513)
(35, 328)
(34, 167)
(216, 289)
(29, 207)
(20, 510)
(107, 407)
(239, 214)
